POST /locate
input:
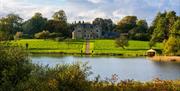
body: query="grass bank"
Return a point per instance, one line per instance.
(97, 47)
(50, 46)
(135, 48)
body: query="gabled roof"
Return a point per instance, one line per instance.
(151, 50)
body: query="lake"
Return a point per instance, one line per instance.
(140, 69)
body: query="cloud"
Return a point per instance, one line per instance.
(87, 10)
(95, 1)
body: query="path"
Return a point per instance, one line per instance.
(87, 47)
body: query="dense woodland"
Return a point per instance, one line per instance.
(164, 28)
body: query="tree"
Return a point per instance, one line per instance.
(140, 32)
(142, 26)
(172, 46)
(59, 24)
(3, 36)
(60, 16)
(42, 35)
(151, 43)
(58, 27)
(171, 19)
(11, 24)
(18, 35)
(162, 26)
(34, 25)
(176, 28)
(160, 32)
(126, 24)
(105, 24)
(122, 41)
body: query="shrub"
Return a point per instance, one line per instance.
(3, 36)
(42, 35)
(54, 35)
(59, 39)
(18, 35)
(14, 67)
(61, 78)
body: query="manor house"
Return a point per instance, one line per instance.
(86, 31)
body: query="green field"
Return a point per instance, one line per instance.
(134, 48)
(98, 47)
(51, 46)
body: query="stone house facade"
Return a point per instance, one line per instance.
(86, 31)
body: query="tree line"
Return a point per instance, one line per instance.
(164, 28)
(12, 23)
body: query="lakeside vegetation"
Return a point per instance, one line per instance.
(17, 73)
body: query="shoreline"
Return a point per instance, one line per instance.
(155, 58)
(91, 54)
(166, 58)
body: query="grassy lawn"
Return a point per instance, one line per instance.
(134, 48)
(97, 46)
(40, 45)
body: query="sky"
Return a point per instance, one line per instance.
(88, 10)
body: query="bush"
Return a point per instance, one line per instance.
(18, 35)
(131, 85)
(61, 78)
(59, 39)
(27, 36)
(42, 35)
(14, 67)
(54, 35)
(4, 36)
